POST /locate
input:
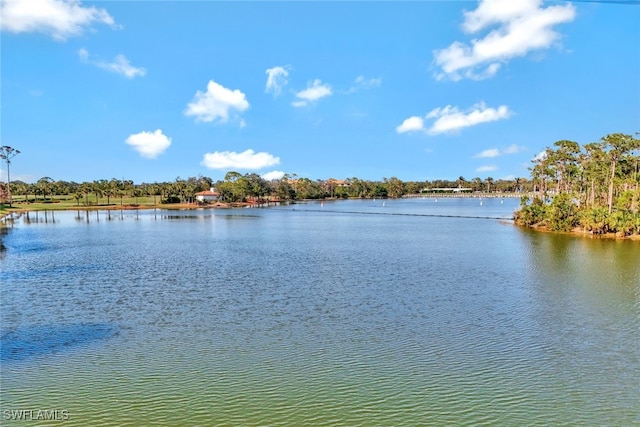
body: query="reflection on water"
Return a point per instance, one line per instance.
(39, 217)
(319, 316)
(26, 342)
(3, 248)
(600, 266)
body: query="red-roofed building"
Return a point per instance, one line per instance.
(210, 195)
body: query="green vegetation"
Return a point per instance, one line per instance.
(47, 193)
(594, 187)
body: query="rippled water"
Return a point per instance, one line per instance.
(334, 313)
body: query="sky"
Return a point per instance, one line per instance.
(421, 90)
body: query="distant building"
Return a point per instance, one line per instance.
(447, 190)
(338, 182)
(210, 195)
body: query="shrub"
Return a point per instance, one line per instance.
(561, 215)
(623, 223)
(530, 212)
(595, 219)
(171, 199)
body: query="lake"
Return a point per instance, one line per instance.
(358, 312)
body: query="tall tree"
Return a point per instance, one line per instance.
(617, 145)
(44, 186)
(85, 188)
(593, 164)
(257, 186)
(564, 160)
(489, 181)
(394, 187)
(461, 181)
(98, 190)
(7, 153)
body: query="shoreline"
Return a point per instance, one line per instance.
(580, 232)
(41, 207)
(5, 214)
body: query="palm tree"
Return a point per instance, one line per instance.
(489, 181)
(97, 190)
(178, 188)
(461, 181)
(105, 189)
(136, 193)
(112, 188)
(516, 184)
(154, 189)
(128, 186)
(44, 186)
(476, 184)
(85, 188)
(20, 187)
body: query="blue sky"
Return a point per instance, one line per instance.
(420, 90)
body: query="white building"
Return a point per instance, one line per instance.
(210, 195)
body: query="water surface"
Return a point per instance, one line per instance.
(387, 312)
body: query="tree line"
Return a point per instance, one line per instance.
(594, 186)
(237, 187)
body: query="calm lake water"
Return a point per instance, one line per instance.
(335, 313)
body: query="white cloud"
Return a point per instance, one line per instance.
(363, 83)
(59, 19)
(512, 149)
(120, 65)
(246, 160)
(411, 124)
(273, 175)
(216, 103)
(149, 144)
(486, 168)
(450, 119)
(276, 80)
(368, 83)
(494, 152)
(83, 54)
(314, 91)
(522, 26)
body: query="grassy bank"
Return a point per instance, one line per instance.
(62, 203)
